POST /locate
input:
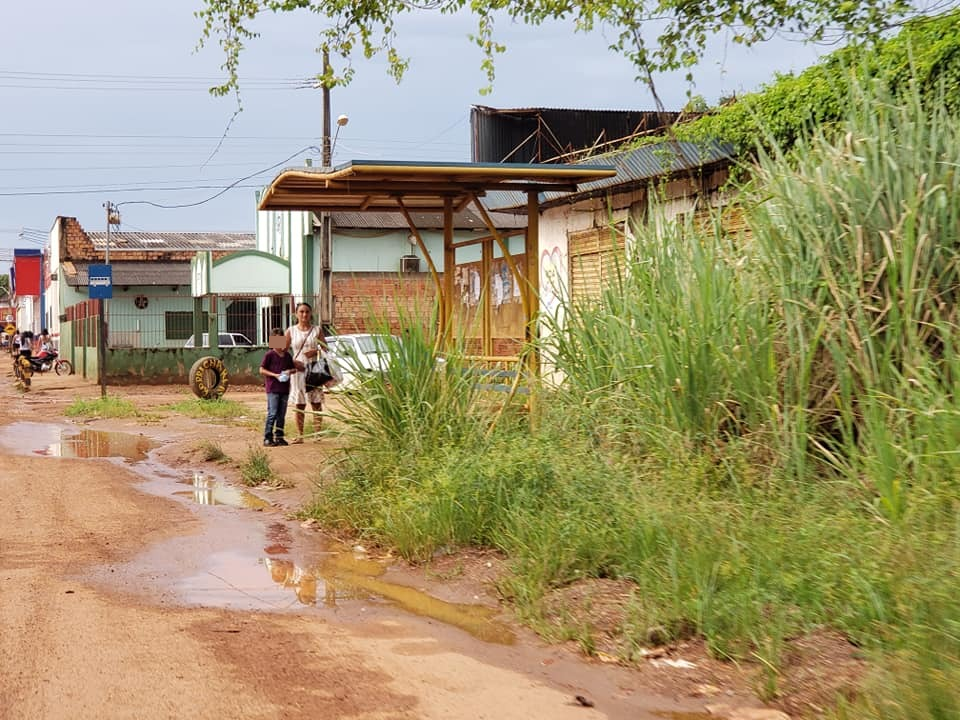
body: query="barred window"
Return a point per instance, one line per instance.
(179, 324)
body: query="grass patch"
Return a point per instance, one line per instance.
(255, 468)
(218, 409)
(108, 407)
(212, 451)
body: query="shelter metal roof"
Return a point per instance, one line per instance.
(467, 219)
(633, 168)
(166, 241)
(364, 185)
(131, 273)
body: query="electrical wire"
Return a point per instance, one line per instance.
(227, 188)
(101, 191)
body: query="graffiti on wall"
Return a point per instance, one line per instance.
(553, 280)
(504, 289)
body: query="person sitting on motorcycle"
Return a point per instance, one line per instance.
(46, 347)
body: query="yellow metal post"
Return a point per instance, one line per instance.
(532, 251)
(486, 309)
(449, 268)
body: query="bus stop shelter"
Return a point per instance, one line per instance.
(443, 188)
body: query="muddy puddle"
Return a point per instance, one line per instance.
(28, 438)
(338, 579)
(209, 491)
(260, 569)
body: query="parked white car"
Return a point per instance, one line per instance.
(224, 340)
(359, 355)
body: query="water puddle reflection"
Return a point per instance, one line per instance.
(71, 442)
(234, 580)
(209, 491)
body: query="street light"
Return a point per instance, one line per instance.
(342, 120)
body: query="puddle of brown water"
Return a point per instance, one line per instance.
(339, 576)
(234, 580)
(70, 442)
(208, 491)
(346, 573)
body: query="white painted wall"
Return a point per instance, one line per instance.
(54, 304)
(242, 274)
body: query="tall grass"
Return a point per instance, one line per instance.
(760, 432)
(420, 401)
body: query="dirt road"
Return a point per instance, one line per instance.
(127, 591)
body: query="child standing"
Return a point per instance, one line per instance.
(277, 367)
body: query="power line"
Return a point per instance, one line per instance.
(101, 191)
(224, 190)
(157, 184)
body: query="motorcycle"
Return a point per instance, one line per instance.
(51, 361)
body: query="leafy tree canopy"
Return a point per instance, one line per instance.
(654, 35)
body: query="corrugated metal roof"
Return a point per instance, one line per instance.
(132, 273)
(465, 220)
(634, 167)
(174, 240)
(541, 135)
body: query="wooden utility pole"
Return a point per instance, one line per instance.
(326, 239)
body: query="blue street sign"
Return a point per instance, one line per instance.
(101, 282)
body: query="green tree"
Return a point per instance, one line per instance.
(4, 286)
(655, 35)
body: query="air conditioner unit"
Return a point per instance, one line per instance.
(409, 264)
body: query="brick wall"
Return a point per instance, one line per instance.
(76, 245)
(363, 300)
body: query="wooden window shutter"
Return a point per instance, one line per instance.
(595, 258)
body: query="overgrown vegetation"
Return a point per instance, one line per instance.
(924, 56)
(110, 406)
(760, 432)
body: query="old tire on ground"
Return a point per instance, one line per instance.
(209, 378)
(63, 367)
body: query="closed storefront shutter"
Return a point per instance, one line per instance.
(596, 257)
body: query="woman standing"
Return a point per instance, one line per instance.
(306, 339)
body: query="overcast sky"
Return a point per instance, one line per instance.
(107, 100)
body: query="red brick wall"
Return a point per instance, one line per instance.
(363, 300)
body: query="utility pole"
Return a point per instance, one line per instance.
(102, 325)
(326, 239)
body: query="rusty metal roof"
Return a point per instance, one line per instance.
(131, 273)
(167, 241)
(382, 185)
(634, 168)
